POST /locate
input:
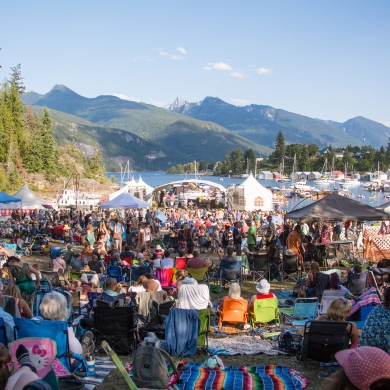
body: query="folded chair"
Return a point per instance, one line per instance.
(322, 339)
(201, 275)
(144, 301)
(116, 326)
(233, 311)
(265, 311)
(261, 267)
(357, 283)
(304, 309)
(230, 271)
(194, 296)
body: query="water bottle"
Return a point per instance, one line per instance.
(90, 363)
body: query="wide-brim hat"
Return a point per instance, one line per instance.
(263, 286)
(66, 227)
(158, 247)
(150, 285)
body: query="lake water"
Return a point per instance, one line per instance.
(155, 179)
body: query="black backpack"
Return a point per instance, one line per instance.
(149, 368)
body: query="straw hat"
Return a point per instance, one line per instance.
(263, 286)
(66, 227)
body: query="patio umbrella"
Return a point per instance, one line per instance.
(161, 216)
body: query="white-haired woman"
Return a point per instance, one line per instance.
(234, 293)
(54, 307)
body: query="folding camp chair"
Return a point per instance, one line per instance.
(193, 296)
(180, 263)
(230, 271)
(136, 272)
(114, 272)
(116, 326)
(92, 296)
(261, 268)
(201, 275)
(52, 277)
(204, 328)
(322, 284)
(357, 283)
(305, 309)
(290, 268)
(233, 311)
(144, 301)
(3, 333)
(265, 311)
(76, 302)
(330, 257)
(328, 297)
(323, 339)
(372, 283)
(166, 240)
(112, 301)
(55, 330)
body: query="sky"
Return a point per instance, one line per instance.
(323, 59)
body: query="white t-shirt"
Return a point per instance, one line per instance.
(157, 263)
(167, 262)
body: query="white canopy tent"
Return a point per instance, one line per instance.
(30, 200)
(134, 187)
(249, 195)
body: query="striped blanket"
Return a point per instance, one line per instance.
(196, 377)
(103, 366)
(366, 298)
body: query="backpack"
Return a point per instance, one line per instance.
(289, 341)
(149, 367)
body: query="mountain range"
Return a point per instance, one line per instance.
(154, 138)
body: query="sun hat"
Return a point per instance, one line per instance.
(364, 365)
(263, 286)
(158, 248)
(150, 285)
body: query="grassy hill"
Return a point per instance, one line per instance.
(180, 137)
(262, 123)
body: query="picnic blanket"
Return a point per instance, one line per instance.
(366, 298)
(284, 294)
(240, 345)
(230, 329)
(103, 366)
(196, 377)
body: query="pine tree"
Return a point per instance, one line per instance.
(50, 152)
(237, 161)
(33, 158)
(250, 156)
(280, 148)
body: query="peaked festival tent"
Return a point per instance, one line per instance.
(125, 201)
(30, 200)
(9, 202)
(335, 207)
(250, 195)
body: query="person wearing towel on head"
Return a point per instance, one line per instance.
(263, 288)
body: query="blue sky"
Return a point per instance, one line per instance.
(323, 59)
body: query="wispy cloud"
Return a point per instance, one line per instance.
(264, 71)
(240, 102)
(181, 50)
(156, 103)
(217, 66)
(162, 52)
(125, 97)
(175, 57)
(239, 75)
(142, 58)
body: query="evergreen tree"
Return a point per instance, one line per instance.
(33, 158)
(227, 166)
(50, 153)
(237, 161)
(303, 161)
(250, 156)
(280, 148)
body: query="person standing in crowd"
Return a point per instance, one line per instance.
(270, 234)
(294, 241)
(237, 240)
(252, 234)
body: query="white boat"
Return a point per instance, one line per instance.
(220, 179)
(69, 198)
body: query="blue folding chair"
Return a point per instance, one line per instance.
(93, 296)
(3, 333)
(230, 271)
(55, 330)
(114, 272)
(305, 309)
(136, 272)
